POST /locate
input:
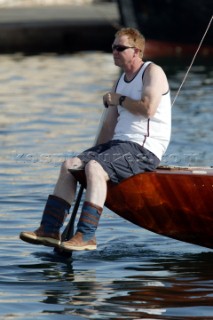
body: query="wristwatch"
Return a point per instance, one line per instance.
(121, 100)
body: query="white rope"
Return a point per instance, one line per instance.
(193, 59)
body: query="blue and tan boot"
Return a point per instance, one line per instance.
(84, 239)
(48, 233)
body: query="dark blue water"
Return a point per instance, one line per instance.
(50, 108)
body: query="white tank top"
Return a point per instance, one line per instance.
(152, 133)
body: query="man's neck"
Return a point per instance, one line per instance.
(131, 70)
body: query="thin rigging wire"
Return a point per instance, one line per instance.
(193, 59)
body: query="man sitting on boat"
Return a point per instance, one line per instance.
(134, 136)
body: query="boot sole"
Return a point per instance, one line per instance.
(78, 248)
(49, 242)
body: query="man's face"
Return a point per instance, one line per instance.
(123, 52)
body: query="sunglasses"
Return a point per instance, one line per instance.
(120, 48)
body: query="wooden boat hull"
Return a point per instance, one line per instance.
(175, 202)
(172, 202)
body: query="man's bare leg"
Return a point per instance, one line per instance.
(56, 208)
(84, 239)
(65, 187)
(96, 183)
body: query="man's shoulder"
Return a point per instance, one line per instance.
(155, 69)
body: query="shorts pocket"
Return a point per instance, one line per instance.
(125, 167)
(133, 164)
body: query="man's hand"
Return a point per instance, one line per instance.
(111, 99)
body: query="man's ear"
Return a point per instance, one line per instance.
(136, 51)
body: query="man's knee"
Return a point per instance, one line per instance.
(94, 169)
(72, 163)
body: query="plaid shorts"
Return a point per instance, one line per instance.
(121, 159)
